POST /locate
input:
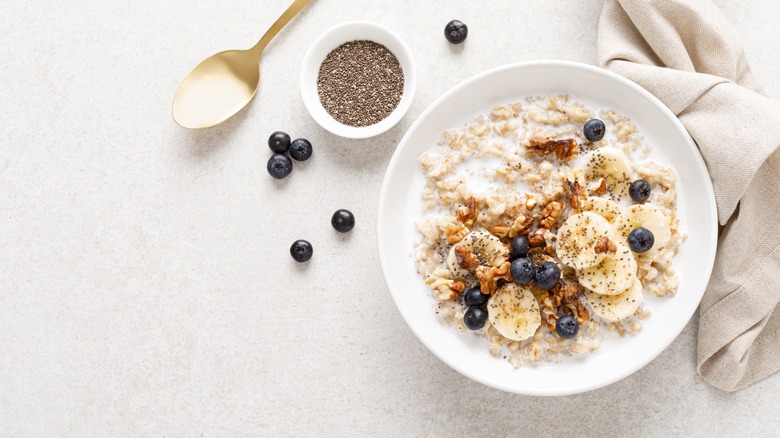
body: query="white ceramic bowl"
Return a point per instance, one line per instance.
(400, 207)
(336, 36)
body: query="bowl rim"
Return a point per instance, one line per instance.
(312, 102)
(403, 143)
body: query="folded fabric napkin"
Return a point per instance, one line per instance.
(687, 54)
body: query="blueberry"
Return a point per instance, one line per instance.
(343, 220)
(475, 317)
(300, 149)
(547, 275)
(519, 247)
(279, 142)
(567, 327)
(594, 130)
(522, 271)
(475, 297)
(456, 32)
(640, 240)
(301, 251)
(279, 166)
(639, 190)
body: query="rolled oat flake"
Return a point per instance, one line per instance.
(360, 83)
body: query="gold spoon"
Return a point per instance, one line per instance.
(224, 83)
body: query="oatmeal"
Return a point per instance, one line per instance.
(544, 227)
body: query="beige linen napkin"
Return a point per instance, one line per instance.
(687, 54)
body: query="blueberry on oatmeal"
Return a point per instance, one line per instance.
(522, 271)
(547, 275)
(519, 247)
(475, 317)
(641, 240)
(594, 130)
(567, 327)
(475, 297)
(639, 190)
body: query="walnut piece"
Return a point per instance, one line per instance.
(489, 276)
(565, 150)
(599, 187)
(536, 239)
(604, 245)
(550, 214)
(468, 212)
(458, 286)
(577, 193)
(521, 226)
(499, 230)
(446, 289)
(456, 233)
(566, 298)
(466, 258)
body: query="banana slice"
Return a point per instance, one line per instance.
(615, 274)
(611, 164)
(616, 307)
(514, 312)
(577, 239)
(603, 207)
(648, 216)
(486, 247)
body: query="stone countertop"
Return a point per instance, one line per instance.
(147, 287)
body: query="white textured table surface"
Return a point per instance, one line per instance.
(145, 282)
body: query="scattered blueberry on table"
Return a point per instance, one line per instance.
(279, 142)
(301, 251)
(475, 317)
(475, 297)
(519, 247)
(456, 32)
(522, 270)
(300, 149)
(567, 327)
(547, 275)
(279, 166)
(343, 220)
(594, 130)
(640, 240)
(639, 190)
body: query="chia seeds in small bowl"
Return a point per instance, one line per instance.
(358, 79)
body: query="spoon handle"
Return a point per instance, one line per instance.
(282, 21)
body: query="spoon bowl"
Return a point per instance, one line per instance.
(216, 89)
(224, 83)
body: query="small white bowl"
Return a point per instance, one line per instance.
(336, 36)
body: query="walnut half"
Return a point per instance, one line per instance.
(550, 214)
(466, 258)
(489, 276)
(565, 150)
(604, 245)
(456, 233)
(536, 239)
(468, 212)
(566, 298)
(577, 193)
(521, 226)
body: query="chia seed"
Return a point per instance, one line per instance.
(360, 83)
